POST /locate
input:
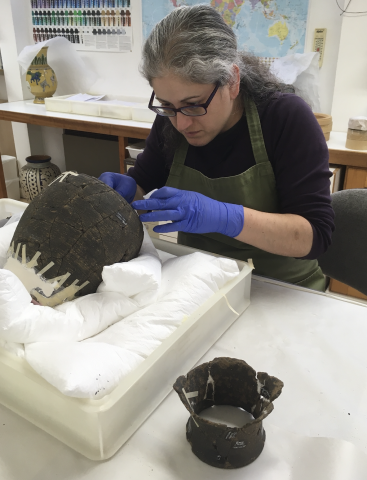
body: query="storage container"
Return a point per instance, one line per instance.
(98, 428)
(135, 149)
(9, 166)
(9, 207)
(326, 123)
(356, 139)
(13, 188)
(137, 110)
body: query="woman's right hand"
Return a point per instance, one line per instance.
(123, 184)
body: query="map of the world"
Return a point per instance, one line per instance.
(268, 28)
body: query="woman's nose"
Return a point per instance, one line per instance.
(183, 122)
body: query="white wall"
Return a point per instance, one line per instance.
(14, 36)
(325, 14)
(118, 73)
(350, 93)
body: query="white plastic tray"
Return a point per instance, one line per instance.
(138, 112)
(135, 149)
(9, 207)
(98, 428)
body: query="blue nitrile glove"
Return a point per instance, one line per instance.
(123, 184)
(191, 212)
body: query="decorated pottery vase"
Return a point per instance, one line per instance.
(36, 175)
(41, 78)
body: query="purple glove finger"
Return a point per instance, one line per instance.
(162, 199)
(161, 216)
(156, 204)
(122, 184)
(107, 179)
(149, 204)
(166, 192)
(171, 227)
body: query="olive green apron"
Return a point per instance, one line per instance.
(255, 188)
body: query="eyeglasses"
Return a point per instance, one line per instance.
(190, 111)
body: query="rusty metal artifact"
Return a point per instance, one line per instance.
(227, 381)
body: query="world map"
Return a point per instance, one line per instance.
(268, 28)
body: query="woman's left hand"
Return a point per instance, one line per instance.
(191, 212)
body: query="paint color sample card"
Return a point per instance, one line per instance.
(92, 25)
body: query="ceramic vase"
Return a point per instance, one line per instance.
(36, 175)
(41, 78)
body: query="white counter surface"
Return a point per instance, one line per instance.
(316, 344)
(30, 108)
(337, 142)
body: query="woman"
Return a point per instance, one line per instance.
(243, 166)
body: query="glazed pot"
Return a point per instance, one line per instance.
(41, 78)
(36, 175)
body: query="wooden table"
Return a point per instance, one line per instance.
(28, 112)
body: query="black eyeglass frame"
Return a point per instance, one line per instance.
(182, 109)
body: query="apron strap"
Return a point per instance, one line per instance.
(181, 152)
(256, 136)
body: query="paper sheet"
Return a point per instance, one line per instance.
(302, 71)
(84, 97)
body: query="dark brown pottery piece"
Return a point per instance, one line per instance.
(69, 232)
(227, 381)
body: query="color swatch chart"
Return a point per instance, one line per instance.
(80, 3)
(94, 25)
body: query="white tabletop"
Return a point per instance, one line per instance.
(314, 343)
(30, 108)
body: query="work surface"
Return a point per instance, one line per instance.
(28, 112)
(314, 343)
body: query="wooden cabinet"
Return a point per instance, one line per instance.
(339, 287)
(355, 178)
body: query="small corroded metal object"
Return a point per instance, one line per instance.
(67, 234)
(227, 381)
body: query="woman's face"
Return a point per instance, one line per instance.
(222, 113)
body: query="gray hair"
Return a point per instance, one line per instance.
(197, 45)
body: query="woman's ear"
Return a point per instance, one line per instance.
(234, 86)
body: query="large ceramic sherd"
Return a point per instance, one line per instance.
(67, 234)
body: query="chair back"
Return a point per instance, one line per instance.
(346, 258)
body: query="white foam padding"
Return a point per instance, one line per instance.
(86, 346)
